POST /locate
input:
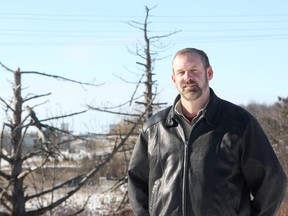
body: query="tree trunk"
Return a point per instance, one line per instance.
(18, 201)
(148, 71)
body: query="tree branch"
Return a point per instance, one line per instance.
(60, 78)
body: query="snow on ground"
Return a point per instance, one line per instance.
(101, 200)
(98, 204)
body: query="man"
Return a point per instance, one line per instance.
(203, 156)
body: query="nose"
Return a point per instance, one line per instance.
(188, 75)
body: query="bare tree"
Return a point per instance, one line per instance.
(148, 52)
(15, 187)
(276, 125)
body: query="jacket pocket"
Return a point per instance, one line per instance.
(228, 204)
(154, 196)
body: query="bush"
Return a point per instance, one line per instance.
(283, 211)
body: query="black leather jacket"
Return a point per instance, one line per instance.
(226, 167)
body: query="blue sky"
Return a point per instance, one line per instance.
(246, 41)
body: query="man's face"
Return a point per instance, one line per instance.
(190, 77)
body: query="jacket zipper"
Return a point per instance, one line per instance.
(185, 163)
(184, 189)
(185, 167)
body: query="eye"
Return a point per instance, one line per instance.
(181, 73)
(194, 71)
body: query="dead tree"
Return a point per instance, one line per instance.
(148, 53)
(15, 191)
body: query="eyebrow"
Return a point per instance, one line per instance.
(190, 69)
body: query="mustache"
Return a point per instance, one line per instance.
(190, 81)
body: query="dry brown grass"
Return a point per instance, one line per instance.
(283, 211)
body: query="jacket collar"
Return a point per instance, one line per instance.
(211, 113)
(213, 110)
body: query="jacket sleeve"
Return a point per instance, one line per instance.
(262, 171)
(138, 175)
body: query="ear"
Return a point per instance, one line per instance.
(173, 78)
(210, 73)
